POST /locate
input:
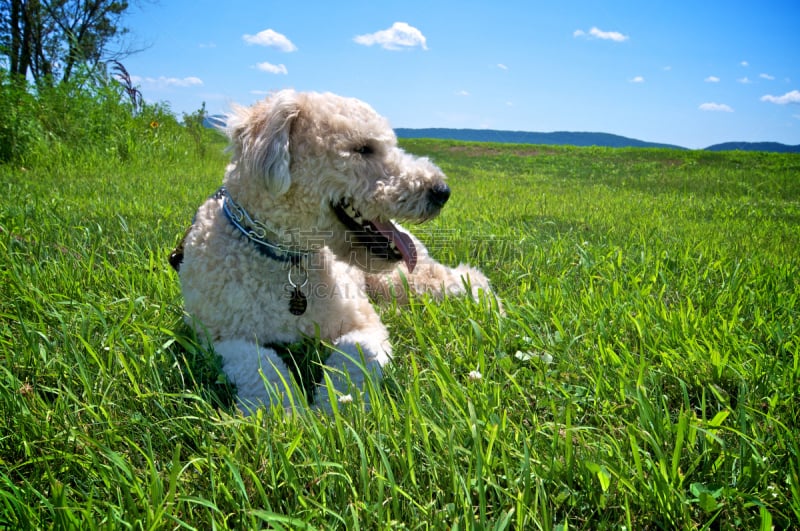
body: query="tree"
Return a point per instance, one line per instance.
(49, 38)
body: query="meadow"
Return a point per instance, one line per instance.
(645, 374)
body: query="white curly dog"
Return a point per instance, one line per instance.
(300, 238)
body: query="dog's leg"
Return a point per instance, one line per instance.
(260, 376)
(358, 355)
(429, 276)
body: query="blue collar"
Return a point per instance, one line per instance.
(255, 231)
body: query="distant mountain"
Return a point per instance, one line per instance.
(561, 138)
(774, 147)
(565, 138)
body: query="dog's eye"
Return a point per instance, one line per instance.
(366, 149)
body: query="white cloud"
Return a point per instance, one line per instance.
(745, 64)
(166, 82)
(186, 81)
(210, 44)
(501, 66)
(399, 36)
(766, 76)
(789, 97)
(600, 34)
(637, 79)
(744, 80)
(715, 107)
(711, 79)
(272, 39)
(272, 69)
(462, 93)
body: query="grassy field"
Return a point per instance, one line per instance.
(645, 375)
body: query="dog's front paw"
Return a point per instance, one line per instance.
(469, 279)
(474, 283)
(346, 378)
(358, 356)
(261, 378)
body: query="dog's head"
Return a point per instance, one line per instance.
(329, 168)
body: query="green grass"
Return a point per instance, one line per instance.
(645, 374)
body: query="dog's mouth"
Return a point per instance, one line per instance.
(381, 238)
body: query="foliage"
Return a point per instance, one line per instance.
(50, 39)
(195, 124)
(644, 375)
(124, 78)
(94, 115)
(20, 131)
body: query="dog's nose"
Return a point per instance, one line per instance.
(439, 194)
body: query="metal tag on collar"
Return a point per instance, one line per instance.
(298, 302)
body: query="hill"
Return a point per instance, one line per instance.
(774, 147)
(558, 138)
(565, 138)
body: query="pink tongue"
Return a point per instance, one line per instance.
(401, 240)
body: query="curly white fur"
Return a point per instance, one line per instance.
(295, 157)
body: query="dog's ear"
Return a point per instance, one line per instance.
(260, 136)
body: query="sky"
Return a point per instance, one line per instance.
(690, 73)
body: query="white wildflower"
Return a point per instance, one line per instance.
(345, 399)
(474, 375)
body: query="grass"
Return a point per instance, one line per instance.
(645, 374)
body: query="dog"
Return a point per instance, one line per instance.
(300, 239)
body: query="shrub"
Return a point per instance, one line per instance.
(19, 130)
(90, 116)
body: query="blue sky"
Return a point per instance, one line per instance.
(691, 73)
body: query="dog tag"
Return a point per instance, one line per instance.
(298, 302)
